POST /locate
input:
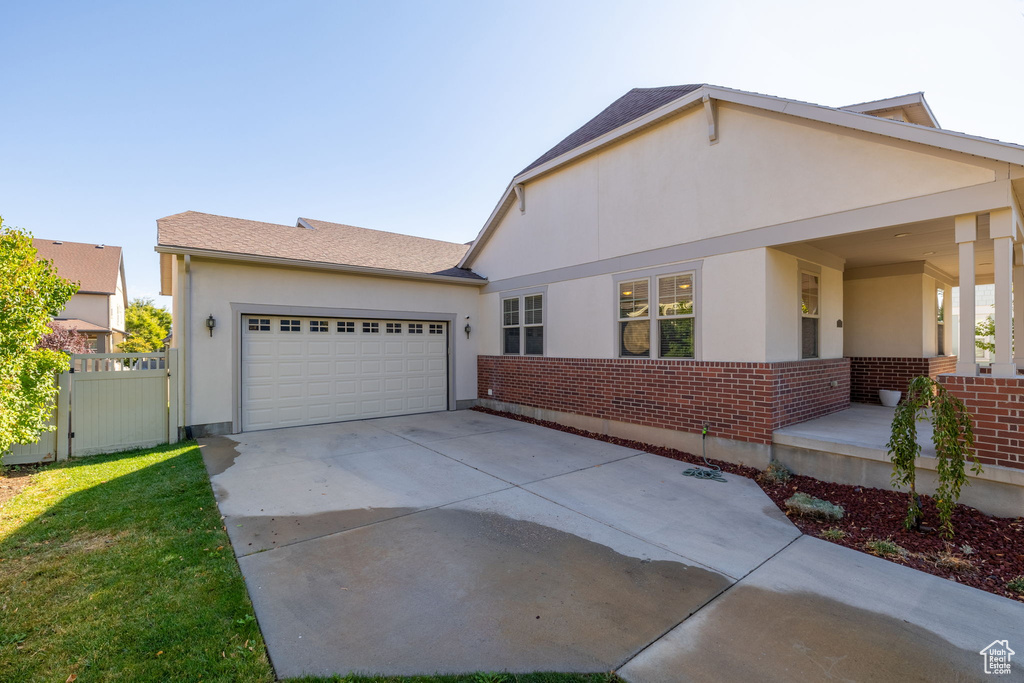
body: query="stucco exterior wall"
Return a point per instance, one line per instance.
(93, 308)
(216, 285)
(891, 316)
(782, 302)
(668, 185)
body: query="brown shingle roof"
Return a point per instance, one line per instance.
(80, 325)
(96, 269)
(321, 242)
(629, 107)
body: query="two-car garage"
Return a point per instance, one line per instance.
(308, 370)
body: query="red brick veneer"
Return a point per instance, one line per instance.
(997, 406)
(868, 375)
(741, 401)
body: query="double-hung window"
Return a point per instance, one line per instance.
(667, 323)
(522, 325)
(810, 284)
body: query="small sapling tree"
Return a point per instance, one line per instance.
(953, 437)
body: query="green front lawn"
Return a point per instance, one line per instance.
(118, 568)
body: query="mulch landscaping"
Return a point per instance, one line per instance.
(986, 552)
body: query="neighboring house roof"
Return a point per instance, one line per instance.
(96, 267)
(314, 242)
(80, 325)
(629, 107)
(639, 109)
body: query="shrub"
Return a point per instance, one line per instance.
(885, 547)
(776, 473)
(833, 534)
(809, 506)
(1016, 584)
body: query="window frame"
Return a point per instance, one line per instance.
(807, 269)
(520, 296)
(653, 277)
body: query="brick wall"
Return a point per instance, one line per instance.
(742, 401)
(868, 375)
(997, 406)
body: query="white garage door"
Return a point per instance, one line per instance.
(300, 371)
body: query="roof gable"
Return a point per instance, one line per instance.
(96, 267)
(631, 106)
(313, 241)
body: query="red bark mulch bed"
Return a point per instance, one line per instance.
(986, 552)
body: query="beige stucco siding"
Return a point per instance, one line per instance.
(733, 307)
(668, 186)
(216, 285)
(782, 304)
(884, 316)
(93, 308)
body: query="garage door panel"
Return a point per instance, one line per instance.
(306, 371)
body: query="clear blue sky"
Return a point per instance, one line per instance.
(413, 116)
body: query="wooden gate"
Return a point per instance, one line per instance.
(109, 402)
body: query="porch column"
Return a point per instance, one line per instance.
(1018, 305)
(1001, 230)
(966, 231)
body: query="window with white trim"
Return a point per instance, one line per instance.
(415, 328)
(259, 324)
(635, 318)
(940, 321)
(289, 325)
(393, 328)
(436, 328)
(522, 325)
(346, 326)
(318, 326)
(676, 323)
(371, 328)
(810, 285)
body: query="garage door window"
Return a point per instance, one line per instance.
(415, 328)
(436, 328)
(259, 324)
(318, 326)
(346, 327)
(394, 328)
(288, 325)
(371, 328)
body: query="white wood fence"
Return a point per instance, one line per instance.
(109, 402)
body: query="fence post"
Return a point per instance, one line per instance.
(63, 450)
(173, 401)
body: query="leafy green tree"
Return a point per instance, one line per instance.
(31, 294)
(953, 437)
(983, 332)
(146, 325)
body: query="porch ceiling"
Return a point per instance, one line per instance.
(931, 241)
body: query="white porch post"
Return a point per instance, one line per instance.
(1001, 230)
(966, 230)
(1018, 306)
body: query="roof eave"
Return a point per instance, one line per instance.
(933, 137)
(318, 265)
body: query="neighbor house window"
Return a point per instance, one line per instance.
(809, 314)
(675, 316)
(634, 319)
(522, 325)
(940, 324)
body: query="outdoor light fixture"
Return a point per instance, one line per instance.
(468, 328)
(210, 324)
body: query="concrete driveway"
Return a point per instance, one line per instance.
(460, 541)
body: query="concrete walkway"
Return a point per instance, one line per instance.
(455, 542)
